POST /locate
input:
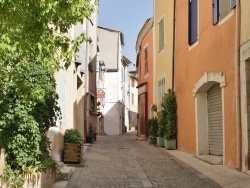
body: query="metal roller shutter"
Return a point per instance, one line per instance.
(215, 135)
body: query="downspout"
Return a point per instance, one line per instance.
(173, 55)
(237, 85)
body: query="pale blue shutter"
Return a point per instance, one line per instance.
(232, 3)
(192, 21)
(215, 11)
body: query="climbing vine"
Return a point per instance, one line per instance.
(25, 118)
(35, 42)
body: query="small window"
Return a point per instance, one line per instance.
(221, 8)
(161, 34)
(224, 8)
(132, 98)
(132, 82)
(92, 103)
(146, 60)
(192, 21)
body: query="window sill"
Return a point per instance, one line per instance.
(226, 18)
(193, 45)
(160, 51)
(146, 75)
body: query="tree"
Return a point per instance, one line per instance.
(34, 44)
(39, 30)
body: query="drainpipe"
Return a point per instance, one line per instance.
(173, 55)
(237, 85)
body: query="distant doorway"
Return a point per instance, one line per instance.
(142, 114)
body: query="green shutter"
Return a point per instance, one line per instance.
(161, 34)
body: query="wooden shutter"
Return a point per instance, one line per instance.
(215, 11)
(215, 133)
(232, 3)
(192, 35)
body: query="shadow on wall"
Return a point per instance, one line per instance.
(78, 120)
(132, 120)
(55, 135)
(113, 118)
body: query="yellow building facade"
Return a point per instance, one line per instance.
(163, 48)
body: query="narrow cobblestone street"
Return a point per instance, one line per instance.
(122, 161)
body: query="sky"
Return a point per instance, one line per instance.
(127, 16)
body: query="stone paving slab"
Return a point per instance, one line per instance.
(221, 174)
(123, 161)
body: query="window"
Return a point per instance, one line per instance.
(132, 82)
(221, 8)
(192, 21)
(146, 60)
(132, 98)
(161, 34)
(92, 103)
(161, 91)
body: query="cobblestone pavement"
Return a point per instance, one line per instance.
(123, 161)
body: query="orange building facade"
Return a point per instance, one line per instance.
(206, 79)
(144, 65)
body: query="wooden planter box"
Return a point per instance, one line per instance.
(72, 153)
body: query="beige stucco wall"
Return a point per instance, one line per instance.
(245, 23)
(72, 87)
(163, 59)
(244, 79)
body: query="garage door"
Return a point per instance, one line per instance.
(215, 134)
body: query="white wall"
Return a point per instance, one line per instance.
(110, 52)
(112, 114)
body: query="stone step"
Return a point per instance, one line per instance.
(63, 175)
(60, 184)
(66, 172)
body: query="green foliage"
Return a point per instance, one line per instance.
(91, 129)
(170, 114)
(162, 121)
(13, 178)
(34, 44)
(38, 30)
(152, 127)
(29, 108)
(73, 136)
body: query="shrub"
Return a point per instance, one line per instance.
(152, 127)
(73, 136)
(162, 121)
(170, 109)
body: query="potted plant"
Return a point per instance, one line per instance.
(170, 106)
(152, 128)
(90, 134)
(72, 146)
(161, 119)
